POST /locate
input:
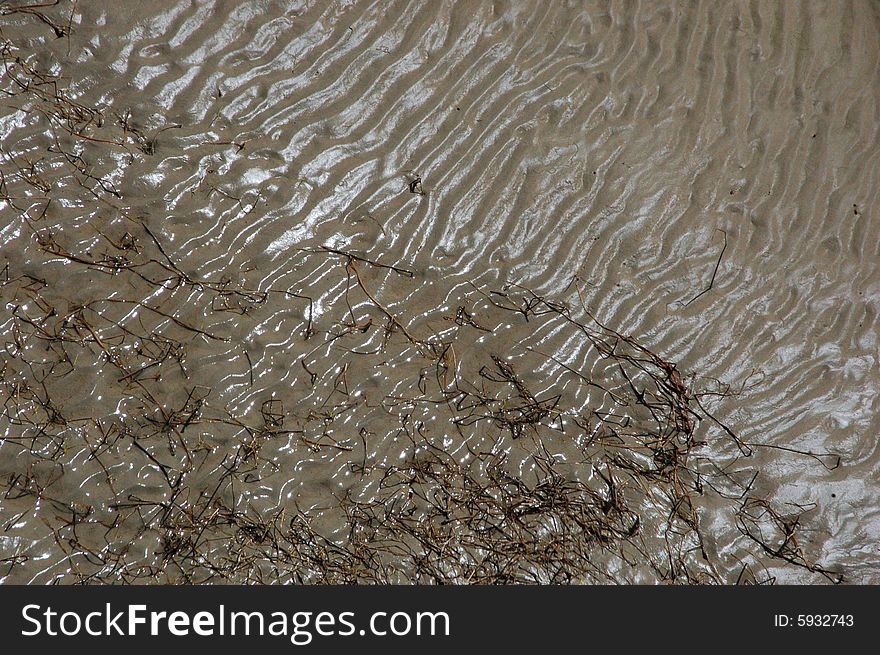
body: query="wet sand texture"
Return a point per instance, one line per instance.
(439, 292)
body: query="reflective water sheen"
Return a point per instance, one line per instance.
(177, 298)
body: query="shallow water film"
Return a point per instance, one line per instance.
(435, 292)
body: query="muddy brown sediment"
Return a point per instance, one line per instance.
(438, 292)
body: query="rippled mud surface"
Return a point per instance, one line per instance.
(439, 292)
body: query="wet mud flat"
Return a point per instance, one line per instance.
(441, 293)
